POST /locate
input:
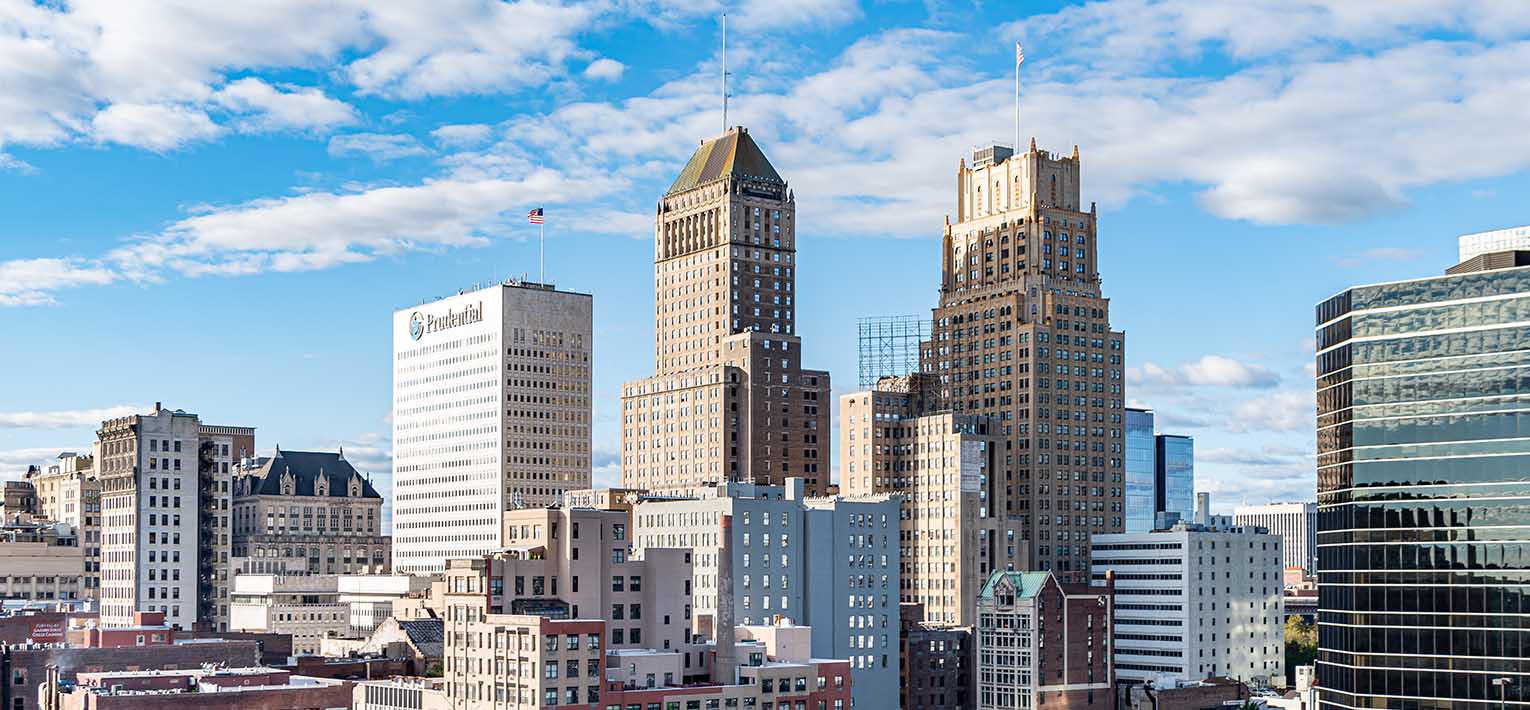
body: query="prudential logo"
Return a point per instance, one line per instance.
(416, 325)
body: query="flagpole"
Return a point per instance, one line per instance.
(1017, 101)
(542, 252)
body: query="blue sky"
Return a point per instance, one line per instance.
(220, 208)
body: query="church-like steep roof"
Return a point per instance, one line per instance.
(306, 467)
(734, 153)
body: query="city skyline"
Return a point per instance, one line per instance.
(282, 277)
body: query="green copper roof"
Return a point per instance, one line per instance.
(1025, 584)
(735, 154)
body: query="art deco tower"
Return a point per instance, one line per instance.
(729, 400)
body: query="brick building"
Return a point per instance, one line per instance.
(205, 689)
(937, 663)
(25, 670)
(1041, 643)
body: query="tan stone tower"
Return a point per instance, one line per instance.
(1022, 334)
(729, 400)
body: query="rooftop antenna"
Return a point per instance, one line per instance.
(725, 70)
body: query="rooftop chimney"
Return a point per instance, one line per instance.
(725, 665)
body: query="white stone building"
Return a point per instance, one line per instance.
(1295, 523)
(491, 411)
(1193, 602)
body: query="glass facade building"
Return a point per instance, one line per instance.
(1174, 465)
(1423, 432)
(1141, 496)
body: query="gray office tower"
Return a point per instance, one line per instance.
(1423, 432)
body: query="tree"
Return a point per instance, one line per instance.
(1301, 643)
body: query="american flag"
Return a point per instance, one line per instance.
(535, 216)
(1019, 55)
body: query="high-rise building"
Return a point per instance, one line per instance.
(729, 400)
(1422, 500)
(828, 563)
(1022, 334)
(1295, 523)
(1174, 475)
(1196, 601)
(307, 513)
(491, 412)
(165, 531)
(1043, 644)
(1141, 471)
(955, 487)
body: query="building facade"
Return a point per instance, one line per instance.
(1022, 334)
(306, 512)
(39, 565)
(165, 533)
(1174, 477)
(938, 663)
(491, 412)
(1041, 643)
(68, 492)
(1422, 560)
(1295, 523)
(1195, 602)
(829, 563)
(729, 399)
(956, 489)
(251, 688)
(1141, 471)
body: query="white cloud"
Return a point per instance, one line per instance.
(1209, 371)
(379, 147)
(604, 69)
(462, 135)
(797, 14)
(63, 419)
(10, 163)
(269, 108)
(14, 462)
(30, 282)
(1285, 410)
(157, 127)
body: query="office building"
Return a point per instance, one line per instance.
(491, 412)
(1421, 494)
(937, 663)
(165, 532)
(1195, 602)
(729, 399)
(1295, 523)
(952, 476)
(307, 512)
(1141, 471)
(1495, 241)
(828, 563)
(1022, 335)
(1042, 643)
(1174, 478)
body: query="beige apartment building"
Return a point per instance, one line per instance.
(165, 533)
(729, 400)
(68, 492)
(956, 491)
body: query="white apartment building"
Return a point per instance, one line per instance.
(1295, 523)
(491, 412)
(829, 563)
(1194, 602)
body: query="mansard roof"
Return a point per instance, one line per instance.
(306, 468)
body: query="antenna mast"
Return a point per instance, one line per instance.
(725, 70)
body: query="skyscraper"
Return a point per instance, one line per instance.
(1022, 334)
(1141, 471)
(1423, 503)
(491, 412)
(1174, 475)
(729, 400)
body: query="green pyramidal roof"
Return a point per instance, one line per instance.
(1021, 584)
(734, 153)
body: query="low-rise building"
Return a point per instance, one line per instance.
(41, 562)
(204, 689)
(307, 607)
(403, 693)
(1041, 643)
(40, 671)
(937, 662)
(1196, 601)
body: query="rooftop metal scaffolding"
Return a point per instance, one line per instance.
(889, 346)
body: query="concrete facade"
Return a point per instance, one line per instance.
(301, 512)
(1194, 602)
(41, 567)
(69, 492)
(950, 473)
(1295, 523)
(491, 412)
(1041, 643)
(729, 400)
